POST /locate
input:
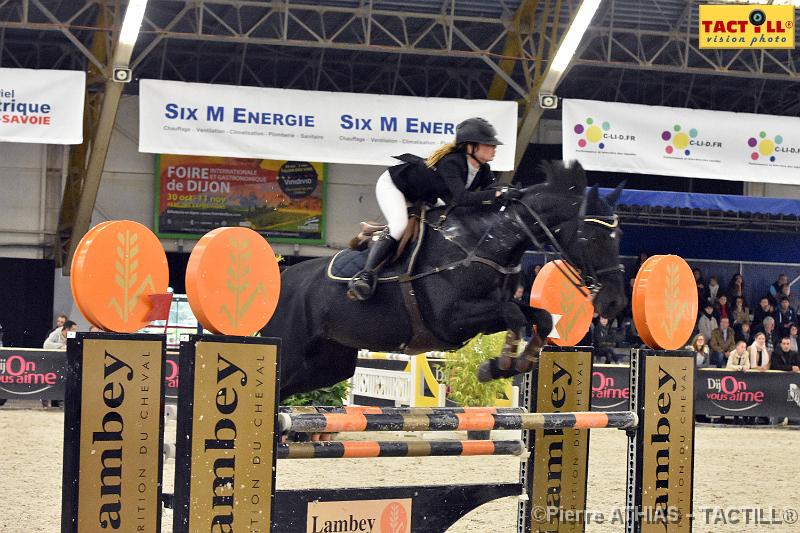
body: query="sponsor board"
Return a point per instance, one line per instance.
(360, 516)
(114, 429)
(226, 444)
(561, 455)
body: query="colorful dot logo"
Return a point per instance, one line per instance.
(592, 133)
(763, 146)
(678, 140)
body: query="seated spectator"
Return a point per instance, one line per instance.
(785, 290)
(722, 310)
(713, 291)
(643, 256)
(772, 336)
(775, 288)
(57, 340)
(604, 341)
(784, 316)
(721, 343)
(60, 319)
(739, 312)
(744, 333)
(759, 355)
(793, 332)
(784, 358)
(763, 310)
(707, 322)
(739, 359)
(700, 349)
(736, 288)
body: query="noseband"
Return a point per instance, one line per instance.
(588, 278)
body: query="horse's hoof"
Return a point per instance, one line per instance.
(485, 372)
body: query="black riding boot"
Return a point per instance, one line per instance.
(362, 286)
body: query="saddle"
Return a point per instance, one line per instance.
(410, 235)
(347, 262)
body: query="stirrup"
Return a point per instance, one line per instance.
(361, 287)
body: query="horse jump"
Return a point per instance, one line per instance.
(660, 452)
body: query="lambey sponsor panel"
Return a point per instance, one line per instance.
(561, 455)
(113, 433)
(667, 434)
(226, 444)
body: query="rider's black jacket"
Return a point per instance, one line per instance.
(447, 180)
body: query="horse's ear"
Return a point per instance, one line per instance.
(613, 198)
(593, 196)
(569, 178)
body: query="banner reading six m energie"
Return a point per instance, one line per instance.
(282, 200)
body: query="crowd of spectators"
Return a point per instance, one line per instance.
(727, 332)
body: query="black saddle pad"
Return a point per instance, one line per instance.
(348, 262)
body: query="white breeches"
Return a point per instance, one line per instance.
(393, 205)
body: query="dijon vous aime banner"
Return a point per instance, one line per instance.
(694, 143)
(291, 125)
(41, 106)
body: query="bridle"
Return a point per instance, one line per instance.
(581, 279)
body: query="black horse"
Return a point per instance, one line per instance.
(465, 263)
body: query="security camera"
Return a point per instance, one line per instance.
(548, 101)
(122, 75)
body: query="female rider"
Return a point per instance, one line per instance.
(457, 173)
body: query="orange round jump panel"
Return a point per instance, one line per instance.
(233, 281)
(78, 260)
(571, 308)
(665, 302)
(637, 305)
(119, 266)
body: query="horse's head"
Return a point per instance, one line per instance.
(586, 232)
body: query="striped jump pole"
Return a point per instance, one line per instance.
(336, 422)
(376, 410)
(422, 448)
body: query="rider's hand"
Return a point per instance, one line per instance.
(508, 193)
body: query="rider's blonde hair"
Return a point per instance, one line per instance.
(439, 153)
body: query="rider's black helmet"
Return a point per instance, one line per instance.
(476, 130)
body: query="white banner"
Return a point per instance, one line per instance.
(41, 106)
(283, 124)
(668, 141)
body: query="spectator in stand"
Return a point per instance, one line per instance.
(739, 359)
(722, 310)
(60, 319)
(643, 256)
(702, 292)
(784, 358)
(793, 332)
(519, 293)
(736, 288)
(707, 322)
(700, 349)
(763, 310)
(721, 343)
(57, 340)
(772, 338)
(784, 316)
(759, 354)
(604, 341)
(775, 288)
(739, 312)
(713, 291)
(744, 333)
(785, 290)
(536, 269)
